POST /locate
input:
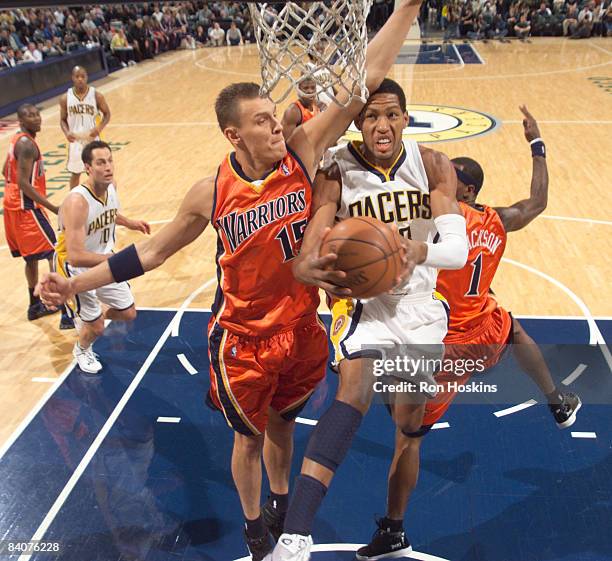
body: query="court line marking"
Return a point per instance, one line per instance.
(573, 219)
(80, 469)
(437, 426)
(461, 61)
(595, 336)
(600, 48)
(473, 47)
(576, 122)
(168, 419)
(584, 435)
(35, 410)
(179, 313)
(574, 375)
(186, 364)
(43, 380)
(332, 547)
(515, 408)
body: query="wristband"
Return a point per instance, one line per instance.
(538, 148)
(126, 264)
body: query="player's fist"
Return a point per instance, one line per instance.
(54, 290)
(530, 125)
(140, 226)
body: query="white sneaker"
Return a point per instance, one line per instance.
(291, 547)
(86, 359)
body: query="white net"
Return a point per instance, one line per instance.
(325, 41)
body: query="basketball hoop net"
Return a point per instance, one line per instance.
(324, 41)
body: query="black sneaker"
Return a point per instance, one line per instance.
(66, 322)
(38, 310)
(259, 547)
(565, 412)
(385, 545)
(273, 519)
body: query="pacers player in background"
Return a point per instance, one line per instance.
(267, 347)
(80, 108)
(87, 221)
(28, 231)
(479, 328)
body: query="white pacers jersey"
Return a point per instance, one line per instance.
(82, 112)
(101, 218)
(399, 194)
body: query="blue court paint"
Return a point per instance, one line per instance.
(508, 489)
(438, 53)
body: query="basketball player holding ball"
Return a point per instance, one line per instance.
(399, 183)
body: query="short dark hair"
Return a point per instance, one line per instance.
(24, 108)
(472, 169)
(228, 101)
(389, 86)
(87, 154)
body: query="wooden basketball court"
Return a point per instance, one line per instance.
(163, 127)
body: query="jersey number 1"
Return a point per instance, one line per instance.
(290, 250)
(475, 282)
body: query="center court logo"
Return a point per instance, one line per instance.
(321, 552)
(439, 123)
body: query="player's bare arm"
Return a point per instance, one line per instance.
(291, 120)
(521, 213)
(26, 154)
(190, 221)
(315, 136)
(64, 119)
(310, 267)
(131, 224)
(106, 115)
(452, 249)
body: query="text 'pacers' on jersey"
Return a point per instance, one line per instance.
(260, 225)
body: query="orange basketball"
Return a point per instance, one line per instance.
(369, 252)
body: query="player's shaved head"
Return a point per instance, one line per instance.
(25, 109)
(227, 106)
(78, 69)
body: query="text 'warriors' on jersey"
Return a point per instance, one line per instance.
(260, 225)
(467, 289)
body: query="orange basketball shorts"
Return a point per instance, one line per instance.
(488, 344)
(29, 234)
(248, 375)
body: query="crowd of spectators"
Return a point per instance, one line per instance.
(128, 33)
(499, 19)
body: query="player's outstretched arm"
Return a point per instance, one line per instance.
(452, 249)
(309, 266)
(311, 139)
(190, 221)
(64, 118)
(520, 214)
(131, 224)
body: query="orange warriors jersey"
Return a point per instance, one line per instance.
(260, 225)
(14, 198)
(467, 289)
(307, 114)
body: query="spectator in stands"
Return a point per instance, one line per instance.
(500, 29)
(121, 48)
(598, 23)
(10, 60)
(234, 35)
(570, 23)
(607, 20)
(200, 36)
(32, 54)
(466, 21)
(543, 20)
(585, 23)
(49, 49)
(140, 40)
(522, 28)
(452, 25)
(216, 35)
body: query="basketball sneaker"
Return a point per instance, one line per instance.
(565, 412)
(260, 547)
(66, 322)
(39, 310)
(384, 545)
(273, 519)
(291, 547)
(86, 359)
